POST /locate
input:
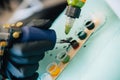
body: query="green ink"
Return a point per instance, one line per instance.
(67, 28)
(67, 59)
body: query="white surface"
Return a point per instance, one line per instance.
(115, 5)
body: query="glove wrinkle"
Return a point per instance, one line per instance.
(31, 48)
(27, 60)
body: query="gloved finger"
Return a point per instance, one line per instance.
(27, 60)
(35, 34)
(22, 71)
(33, 77)
(31, 48)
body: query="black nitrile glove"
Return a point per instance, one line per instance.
(21, 61)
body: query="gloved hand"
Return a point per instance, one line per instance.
(21, 62)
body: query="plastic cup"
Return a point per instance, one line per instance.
(74, 44)
(53, 69)
(45, 76)
(82, 35)
(89, 24)
(63, 57)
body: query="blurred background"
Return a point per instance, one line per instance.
(18, 10)
(98, 58)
